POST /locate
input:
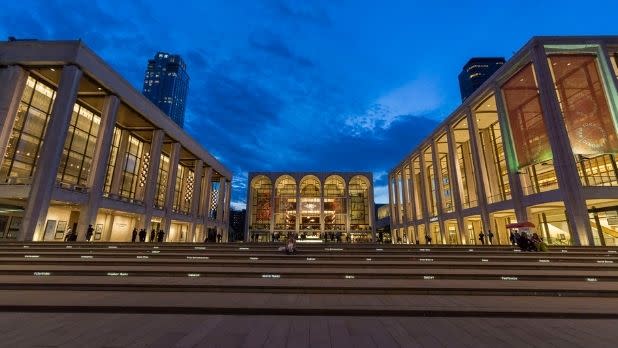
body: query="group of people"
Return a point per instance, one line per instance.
(71, 236)
(527, 242)
(160, 236)
(486, 238)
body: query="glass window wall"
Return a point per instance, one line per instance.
(261, 193)
(408, 191)
(285, 203)
(310, 206)
(445, 177)
(587, 117)
(26, 138)
(111, 161)
(525, 116)
(416, 181)
(335, 204)
(431, 186)
(132, 165)
(466, 171)
(79, 147)
(162, 176)
(492, 151)
(359, 203)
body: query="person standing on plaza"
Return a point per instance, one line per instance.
(152, 235)
(490, 236)
(134, 235)
(482, 238)
(219, 236)
(68, 234)
(160, 236)
(428, 239)
(142, 235)
(89, 233)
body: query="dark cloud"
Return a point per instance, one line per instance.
(276, 47)
(307, 11)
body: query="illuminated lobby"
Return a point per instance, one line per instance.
(80, 146)
(537, 142)
(317, 207)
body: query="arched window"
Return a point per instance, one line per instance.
(261, 210)
(285, 203)
(359, 203)
(335, 207)
(311, 204)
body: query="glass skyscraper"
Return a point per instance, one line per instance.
(477, 71)
(166, 84)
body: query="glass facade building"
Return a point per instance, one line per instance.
(166, 84)
(79, 146)
(316, 207)
(535, 142)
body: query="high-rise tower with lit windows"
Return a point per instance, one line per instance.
(166, 84)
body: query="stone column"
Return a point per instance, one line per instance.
(517, 192)
(437, 174)
(221, 199)
(198, 172)
(298, 210)
(348, 213)
(171, 187)
(481, 173)
(424, 199)
(564, 160)
(272, 209)
(152, 177)
(226, 211)
(13, 81)
(206, 198)
(397, 219)
(413, 201)
(43, 181)
(391, 200)
(88, 211)
(322, 215)
(455, 181)
(371, 207)
(119, 163)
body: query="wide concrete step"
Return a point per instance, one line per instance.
(305, 304)
(303, 263)
(548, 275)
(273, 284)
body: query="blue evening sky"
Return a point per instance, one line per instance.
(309, 85)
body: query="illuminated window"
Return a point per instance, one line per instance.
(79, 147)
(28, 130)
(359, 203)
(335, 203)
(261, 209)
(162, 177)
(131, 166)
(111, 162)
(285, 203)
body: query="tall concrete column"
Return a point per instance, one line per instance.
(397, 216)
(298, 208)
(564, 161)
(372, 218)
(221, 199)
(404, 197)
(44, 178)
(13, 81)
(391, 200)
(413, 201)
(481, 173)
(171, 187)
(348, 207)
(88, 211)
(272, 210)
(322, 215)
(423, 187)
(198, 171)
(226, 211)
(207, 199)
(151, 178)
(437, 174)
(455, 181)
(119, 163)
(517, 192)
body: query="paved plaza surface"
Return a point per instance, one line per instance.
(143, 330)
(250, 295)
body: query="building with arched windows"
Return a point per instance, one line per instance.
(537, 142)
(317, 207)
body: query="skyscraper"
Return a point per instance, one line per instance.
(166, 84)
(477, 71)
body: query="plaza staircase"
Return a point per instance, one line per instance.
(321, 279)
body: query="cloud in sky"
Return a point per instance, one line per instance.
(314, 85)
